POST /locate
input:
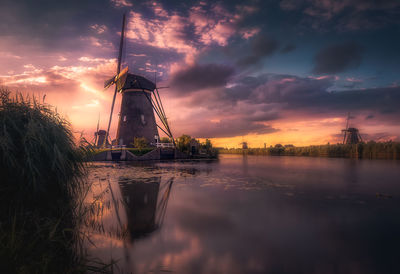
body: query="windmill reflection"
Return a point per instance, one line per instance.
(145, 203)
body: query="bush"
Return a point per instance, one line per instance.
(140, 142)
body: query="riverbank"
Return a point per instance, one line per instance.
(146, 154)
(370, 150)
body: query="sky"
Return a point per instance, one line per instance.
(268, 72)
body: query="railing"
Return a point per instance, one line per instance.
(158, 145)
(118, 147)
(165, 145)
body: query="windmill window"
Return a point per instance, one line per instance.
(142, 118)
(124, 118)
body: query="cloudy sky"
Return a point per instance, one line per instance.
(262, 71)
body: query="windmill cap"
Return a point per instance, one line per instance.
(350, 129)
(135, 82)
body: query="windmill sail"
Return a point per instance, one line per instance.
(119, 80)
(97, 131)
(121, 45)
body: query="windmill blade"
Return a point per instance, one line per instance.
(122, 79)
(121, 45)
(159, 102)
(98, 123)
(347, 123)
(118, 79)
(109, 82)
(97, 130)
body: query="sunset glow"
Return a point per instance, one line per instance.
(283, 72)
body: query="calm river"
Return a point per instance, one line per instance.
(247, 214)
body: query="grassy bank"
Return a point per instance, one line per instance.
(42, 189)
(135, 151)
(370, 150)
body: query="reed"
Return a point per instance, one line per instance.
(41, 191)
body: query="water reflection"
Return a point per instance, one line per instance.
(351, 175)
(253, 215)
(124, 211)
(145, 207)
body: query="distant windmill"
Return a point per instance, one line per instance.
(140, 99)
(99, 135)
(351, 135)
(96, 134)
(244, 144)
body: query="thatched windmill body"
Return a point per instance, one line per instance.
(137, 116)
(140, 100)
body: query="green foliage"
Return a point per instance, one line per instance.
(183, 143)
(370, 150)
(208, 148)
(207, 145)
(140, 152)
(140, 142)
(41, 190)
(165, 140)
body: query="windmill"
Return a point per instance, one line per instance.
(140, 99)
(99, 136)
(244, 144)
(351, 135)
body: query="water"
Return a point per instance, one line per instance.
(251, 214)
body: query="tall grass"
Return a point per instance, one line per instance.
(41, 189)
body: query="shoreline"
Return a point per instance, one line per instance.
(370, 150)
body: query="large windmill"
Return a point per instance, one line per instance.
(351, 135)
(140, 99)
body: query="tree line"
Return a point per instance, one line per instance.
(368, 150)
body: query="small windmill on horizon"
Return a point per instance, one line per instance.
(351, 135)
(244, 144)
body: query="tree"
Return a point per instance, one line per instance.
(165, 140)
(208, 144)
(183, 143)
